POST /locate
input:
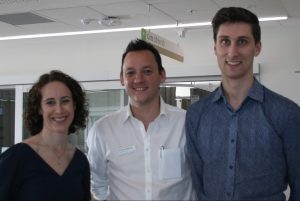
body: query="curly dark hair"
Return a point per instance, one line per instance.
(233, 15)
(34, 120)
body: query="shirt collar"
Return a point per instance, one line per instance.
(163, 110)
(256, 92)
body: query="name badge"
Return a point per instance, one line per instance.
(127, 150)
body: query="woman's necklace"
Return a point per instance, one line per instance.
(51, 154)
(59, 155)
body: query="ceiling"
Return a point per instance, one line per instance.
(26, 17)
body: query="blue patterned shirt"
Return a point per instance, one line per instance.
(251, 153)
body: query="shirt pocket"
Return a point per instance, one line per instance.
(170, 161)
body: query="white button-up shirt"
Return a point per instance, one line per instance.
(130, 163)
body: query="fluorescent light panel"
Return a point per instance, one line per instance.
(273, 18)
(166, 26)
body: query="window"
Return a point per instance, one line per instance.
(101, 102)
(7, 117)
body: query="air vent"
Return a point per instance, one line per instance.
(23, 19)
(3, 2)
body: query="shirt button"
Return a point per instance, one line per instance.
(231, 167)
(232, 140)
(147, 149)
(228, 194)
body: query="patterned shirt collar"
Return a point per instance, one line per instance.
(256, 92)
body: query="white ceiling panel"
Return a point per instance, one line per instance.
(72, 16)
(47, 28)
(193, 11)
(262, 8)
(135, 13)
(7, 29)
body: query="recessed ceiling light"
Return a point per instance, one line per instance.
(110, 21)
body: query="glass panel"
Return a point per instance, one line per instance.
(26, 133)
(7, 117)
(101, 103)
(186, 93)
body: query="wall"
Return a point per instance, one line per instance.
(280, 59)
(98, 57)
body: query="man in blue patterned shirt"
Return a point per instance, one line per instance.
(243, 139)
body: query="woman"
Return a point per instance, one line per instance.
(46, 166)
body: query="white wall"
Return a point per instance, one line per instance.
(280, 59)
(98, 57)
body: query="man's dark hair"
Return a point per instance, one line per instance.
(139, 45)
(233, 15)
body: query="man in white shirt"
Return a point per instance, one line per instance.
(138, 152)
